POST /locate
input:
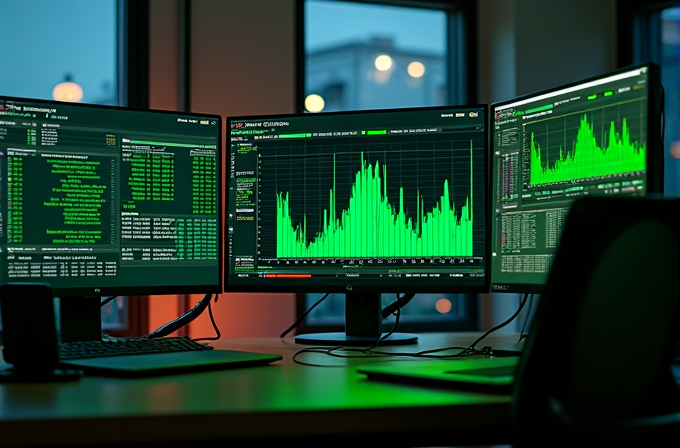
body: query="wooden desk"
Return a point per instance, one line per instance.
(270, 404)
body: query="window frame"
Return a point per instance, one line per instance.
(639, 30)
(133, 53)
(462, 88)
(133, 91)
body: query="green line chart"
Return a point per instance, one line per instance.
(595, 151)
(371, 226)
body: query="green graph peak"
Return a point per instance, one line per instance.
(615, 154)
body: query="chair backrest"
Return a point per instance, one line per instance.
(602, 339)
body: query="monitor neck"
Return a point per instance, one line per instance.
(363, 325)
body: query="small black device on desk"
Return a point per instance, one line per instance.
(30, 339)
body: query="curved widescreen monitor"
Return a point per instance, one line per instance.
(600, 136)
(365, 201)
(101, 200)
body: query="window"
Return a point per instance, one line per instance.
(71, 50)
(59, 42)
(385, 56)
(396, 61)
(655, 36)
(380, 55)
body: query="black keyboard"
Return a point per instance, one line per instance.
(129, 346)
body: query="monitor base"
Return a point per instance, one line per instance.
(342, 339)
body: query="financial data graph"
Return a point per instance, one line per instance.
(597, 143)
(405, 199)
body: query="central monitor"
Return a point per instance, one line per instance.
(596, 137)
(104, 201)
(361, 203)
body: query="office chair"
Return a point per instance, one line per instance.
(596, 367)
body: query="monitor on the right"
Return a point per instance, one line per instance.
(600, 136)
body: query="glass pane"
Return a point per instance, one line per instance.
(670, 78)
(44, 43)
(363, 56)
(422, 309)
(114, 314)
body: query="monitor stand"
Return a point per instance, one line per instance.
(363, 326)
(80, 318)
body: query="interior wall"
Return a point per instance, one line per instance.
(531, 45)
(163, 54)
(243, 63)
(163, 95)
(567, 41)
(243, 57)
(497, 49)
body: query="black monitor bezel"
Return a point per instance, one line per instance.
(655, 158)
(123, 290)
(386, 287)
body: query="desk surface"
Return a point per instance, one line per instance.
(269, 403)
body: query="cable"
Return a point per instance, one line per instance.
(297, 322)
(472, 346)
(397, 305)
(531, 302)
(331, 350)
(212, 319)
(371, 352)
(386, 312)
(396, 322)
(107, 300)
(183, 320)
(382, 337)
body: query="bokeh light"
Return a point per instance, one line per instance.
(383, 62)
(67, 91)
(314, 103)
(443, 306)
(416, 69)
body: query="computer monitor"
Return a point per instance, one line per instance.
(360, 203)
(104, 201)
(600, 136)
